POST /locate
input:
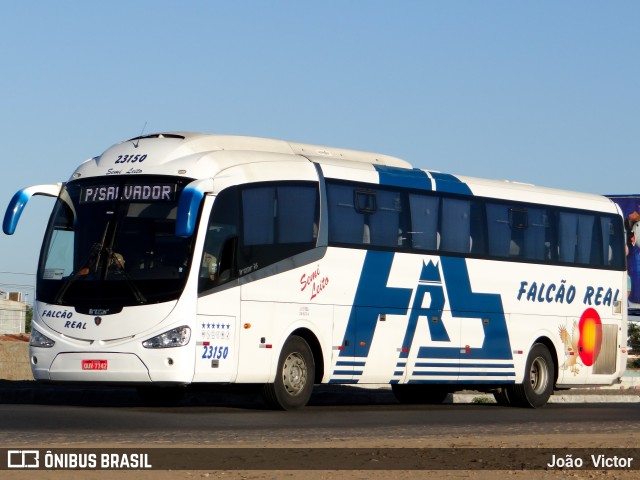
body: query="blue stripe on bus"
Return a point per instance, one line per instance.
(465, 365)
(341, 363)
(373, 292)
(453, 373)
(425, 364)
(462, 382)
(486, 365)
(373, 298)
(448, 183)
(465, 303)
(403, 177)
(430, 283)
(347, 372)
(462, 374)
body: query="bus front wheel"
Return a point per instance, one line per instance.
(294, 381)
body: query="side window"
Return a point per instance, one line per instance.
(218, 264)
(537, 239)
(385, 227)
(575, 237)
(517, 231)
(278, 221)
(346, 222)
(61, 247)
(612, 242)
(498, 230)
(456, 226)
(365, 216)
(588, 239)
(424, 221)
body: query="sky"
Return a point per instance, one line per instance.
(542, 92)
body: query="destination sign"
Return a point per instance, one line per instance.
(128, 192)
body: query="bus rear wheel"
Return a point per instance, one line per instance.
(502, 397)
(294, 378)
(537, 385)
(413, 394)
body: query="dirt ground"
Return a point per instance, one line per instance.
(17, 337)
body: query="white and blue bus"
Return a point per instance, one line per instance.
(178, 258)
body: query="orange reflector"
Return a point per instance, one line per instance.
(247, 326)
(363, 344)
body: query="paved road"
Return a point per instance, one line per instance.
(115, 416)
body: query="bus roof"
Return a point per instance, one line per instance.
(198, 154)
(191, 143)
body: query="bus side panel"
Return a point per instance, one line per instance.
(216, 334)
(256, 338)
(577, 310)
(269, 317)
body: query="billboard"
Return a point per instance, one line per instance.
(630, 206)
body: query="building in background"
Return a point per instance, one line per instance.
(13, 313)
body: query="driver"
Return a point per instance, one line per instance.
(210, 263)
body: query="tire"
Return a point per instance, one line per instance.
(539, 377)
(294, 378)
(502, 397)
(161, 396)
(413, 394)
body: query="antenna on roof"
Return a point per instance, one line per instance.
(135, 144)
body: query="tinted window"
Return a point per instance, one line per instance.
(519, 232)
(360, 216)
(368, 217)
(278, 221)
(257, 225)
(424, 221)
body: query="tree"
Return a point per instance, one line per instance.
(28, 317)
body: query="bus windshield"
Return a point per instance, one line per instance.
(111, 243)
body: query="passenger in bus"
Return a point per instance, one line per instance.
(210, 264)
(116, 262)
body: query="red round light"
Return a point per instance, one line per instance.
(590, 328)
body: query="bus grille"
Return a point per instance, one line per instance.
(606, 361)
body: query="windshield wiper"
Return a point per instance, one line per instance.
(83, 269)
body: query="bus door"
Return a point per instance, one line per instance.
(218, 306)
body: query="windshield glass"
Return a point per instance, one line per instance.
(111, 242)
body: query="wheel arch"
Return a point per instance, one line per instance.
(316, 350)
(547, 342)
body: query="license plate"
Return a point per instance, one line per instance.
(95, 364)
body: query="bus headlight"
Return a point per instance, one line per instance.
(177, 337)
(37, 339)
